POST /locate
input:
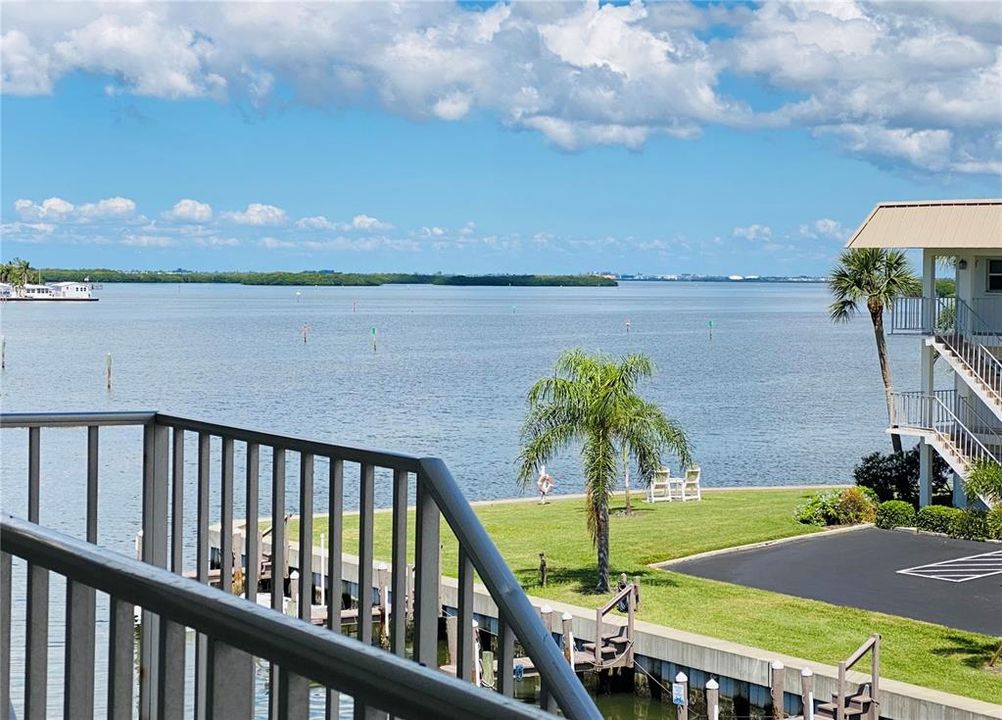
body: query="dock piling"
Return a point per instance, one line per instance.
(680, 695)
(777, 678)
(807, 692)
(712, 699)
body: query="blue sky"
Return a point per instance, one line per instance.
(686, 139)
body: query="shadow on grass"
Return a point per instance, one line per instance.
(972, 653)
(583, 580)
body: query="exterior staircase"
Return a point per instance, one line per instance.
(853, 706)
(959, 432)
(976, 364)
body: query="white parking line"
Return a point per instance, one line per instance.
(960, 570)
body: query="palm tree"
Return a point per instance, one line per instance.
(875, 276)
(19, 272)
(592, 399)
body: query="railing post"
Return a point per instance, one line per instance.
(426, 582)
(36, 636)
(875, 678)
(335, 515)
(399, 578)
(202, 564)
(506, 657)
(546, 699)
(231, 682)
(465, 660)
(155, 490)
(568, 635)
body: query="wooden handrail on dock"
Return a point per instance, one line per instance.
(602, 642)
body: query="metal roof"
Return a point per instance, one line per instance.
(951, 224)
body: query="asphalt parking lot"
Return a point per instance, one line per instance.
(957, 583)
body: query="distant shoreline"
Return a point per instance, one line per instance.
(322, 278)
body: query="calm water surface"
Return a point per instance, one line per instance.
(777, 395)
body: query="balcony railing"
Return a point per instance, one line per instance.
(232, 631)
(951, 417)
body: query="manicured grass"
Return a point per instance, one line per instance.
(916, 652)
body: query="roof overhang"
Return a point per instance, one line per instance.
(945, 224)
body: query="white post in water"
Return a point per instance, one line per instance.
(807, 692)
(107, 370)
(3, 352)
(680, 696)
(712, 699)
(293, 592)
(476, 653)
(776, 686)
(565, 621)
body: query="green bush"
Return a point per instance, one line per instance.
(936, 518)
(847, 506)
(854, 506)
(970, 525)
(994, 521)
(819, 508)
(895, 476)
(895, 513)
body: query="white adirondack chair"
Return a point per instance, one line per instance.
(660, 488)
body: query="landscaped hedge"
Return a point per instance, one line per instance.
(895, 513)
(936, 518)
(994, 522)
(895, 476)
(970, 525)
(848, 506)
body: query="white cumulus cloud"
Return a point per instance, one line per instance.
(579, 73)
(257, 214)
(187, 210)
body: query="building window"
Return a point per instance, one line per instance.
(994, 276)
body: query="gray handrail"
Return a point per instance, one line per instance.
(333, 660)
(507, 593)
(434, 481)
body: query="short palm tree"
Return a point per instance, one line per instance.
(593, 400)
(984, 480)
(877, 277)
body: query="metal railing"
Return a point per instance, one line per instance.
(232, 630)
(941, 413)
(963, 331)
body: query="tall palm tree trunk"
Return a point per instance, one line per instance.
(626, 480)
(602, 540)
(877, 316)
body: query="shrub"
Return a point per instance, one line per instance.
(984, 481)
(819, 508)
(994, 522)
(847, 506)
(970, 525)
(936, 518)
(895, 513)
(854, 506)
(895, 476)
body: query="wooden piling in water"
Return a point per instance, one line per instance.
(777, 677)
(807, 693)
(682, 711)
(712, 699)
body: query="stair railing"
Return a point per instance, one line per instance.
(968, 336)
(946, 423)
(977, 422)
(871, 646)
(630, 594)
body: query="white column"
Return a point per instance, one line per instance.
(925, 473)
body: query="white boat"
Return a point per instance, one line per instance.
(64, 291)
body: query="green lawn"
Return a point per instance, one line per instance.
(916, 652)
